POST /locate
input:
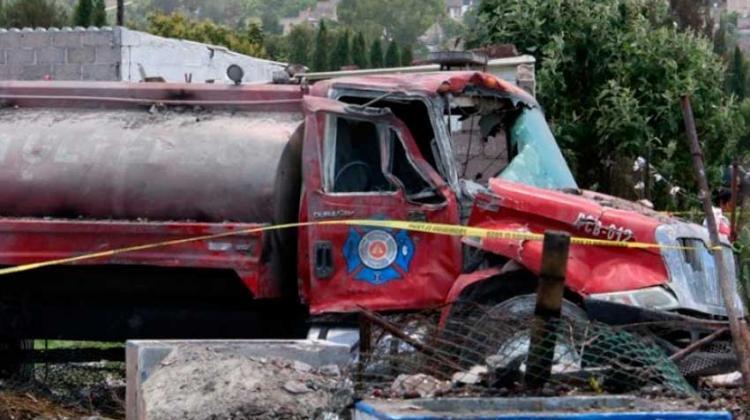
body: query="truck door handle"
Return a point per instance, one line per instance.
(416, 216)
(323, 251)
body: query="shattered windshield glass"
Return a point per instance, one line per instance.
(538, 162)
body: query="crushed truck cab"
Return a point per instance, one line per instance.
(90, 167)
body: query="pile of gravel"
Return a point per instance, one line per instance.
(198, 383)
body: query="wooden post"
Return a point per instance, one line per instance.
(734, 199)
(365, 346)
(549, 296)
(120, 12)
(728, 293)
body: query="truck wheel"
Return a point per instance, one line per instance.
(12, 364)
(502, 332)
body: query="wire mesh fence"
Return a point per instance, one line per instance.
(494, 351)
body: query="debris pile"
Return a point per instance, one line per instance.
(487, 353)
(199, 383)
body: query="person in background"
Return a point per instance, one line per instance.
(722, 208)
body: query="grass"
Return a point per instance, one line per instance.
(67, 344)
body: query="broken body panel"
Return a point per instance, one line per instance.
(205, 159)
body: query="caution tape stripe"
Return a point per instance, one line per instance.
(433, 228)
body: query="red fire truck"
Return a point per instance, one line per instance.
(89, 167)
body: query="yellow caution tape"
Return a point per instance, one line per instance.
(433, 228)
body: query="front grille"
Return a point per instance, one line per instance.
(692, 270)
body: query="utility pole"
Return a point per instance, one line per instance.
(120, 12)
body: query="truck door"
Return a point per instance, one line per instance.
(362, 163)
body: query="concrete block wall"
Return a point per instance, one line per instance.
(114, 54)
(60, 54)
(172, 59)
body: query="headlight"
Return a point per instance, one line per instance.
(649, 298)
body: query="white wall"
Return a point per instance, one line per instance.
(173, 58)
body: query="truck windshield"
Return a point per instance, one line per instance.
(538, 161)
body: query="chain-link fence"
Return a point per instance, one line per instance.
(498, 351)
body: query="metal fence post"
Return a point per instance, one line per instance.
(549, 295)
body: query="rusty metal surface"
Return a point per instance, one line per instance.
(208, 166)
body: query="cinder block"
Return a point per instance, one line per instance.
(50, 55)
(108, 54)
(67, 72)
(66, 38)
(36, 72)
(9, 39)
(100, 72)
(97, 38)
(34, 39)
(4, 72)
(20, 56)
(82, 55)
(2, 57)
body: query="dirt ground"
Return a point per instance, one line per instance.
(247, 388)
(66, 391)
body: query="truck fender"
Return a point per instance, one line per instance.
(591, 269)
(498, 275)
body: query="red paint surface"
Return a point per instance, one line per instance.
(591, 269)
(26, 241)
(436, 261)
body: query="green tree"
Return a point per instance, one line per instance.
(34, 13)
(610, 74)
(340, 56)
(392, 55)
(245, 41)
(320, 61)
(99, 14)
(2, 14)
(737, 74)
(83, 13)
(376, 54)
(403, 21)
(407, 56)
(299, 41)
(359, 51)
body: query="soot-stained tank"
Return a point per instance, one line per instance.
(135, 163)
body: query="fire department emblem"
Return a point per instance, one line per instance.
(378, 256)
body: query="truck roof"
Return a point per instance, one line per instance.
(432, 83)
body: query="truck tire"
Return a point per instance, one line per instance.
(509, 340)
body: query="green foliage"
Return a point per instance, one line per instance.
(83, 12)
(320, 60)
(359, 51)
(403, 21)
(340, 56)
(247, 40)
(610, 77)
(376, 54)
(299, 41)
(33, 13)
(392, 55)
(99, 14)
(737, 74)
(233, 13)
(407, 56)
